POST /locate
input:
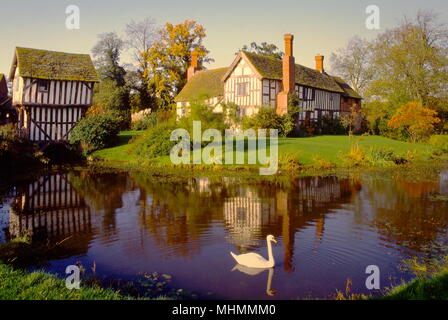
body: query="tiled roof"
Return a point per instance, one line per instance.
(271, 68)
(44, 64)
(349, 91)
(204, 84)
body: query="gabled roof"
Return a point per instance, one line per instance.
(3, 88)
(272, 68)
(53, 65)
(204, 84)
(349, 91)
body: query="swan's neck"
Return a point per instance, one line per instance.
(270, 255)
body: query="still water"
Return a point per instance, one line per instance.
(329, 229)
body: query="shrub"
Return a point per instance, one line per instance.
(355, 157)
(232, 112)
(375, 156)
(96, 131)
(289, 162)
(417, 121)
(148, 121)
(16, 151)
(381, 156)
(9, 133)
(440, 142)
(111, 96)
(375, 112)
(203, 113)
(152, 119)
(289, 120)
(155, 142)
(266, 118)
(330, 125)
(322, 163)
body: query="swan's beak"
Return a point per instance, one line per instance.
(273, 240)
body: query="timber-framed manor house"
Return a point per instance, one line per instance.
(253, 81)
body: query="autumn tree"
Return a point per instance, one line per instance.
(264, 49)
(168, 59)
(417, 121)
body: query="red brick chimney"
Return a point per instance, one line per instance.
(194, 66)
(288, 76)
(320, 63)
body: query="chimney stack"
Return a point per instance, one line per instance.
(320, 63)
(194, 66)
(289, 81)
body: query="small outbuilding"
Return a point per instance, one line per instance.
(51, 92)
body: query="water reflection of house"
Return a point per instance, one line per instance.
(246, 214)
(314, 191)
(49, 209)
(201, 185)
(250, 217)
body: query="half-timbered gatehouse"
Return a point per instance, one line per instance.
(51, 91)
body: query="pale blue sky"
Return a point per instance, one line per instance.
(319, 26)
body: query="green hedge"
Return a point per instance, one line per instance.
(155, 142)
(96, 131)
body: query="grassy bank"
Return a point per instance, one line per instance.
(319, 152)
(431, 282)
(16, 284)
(434, 288)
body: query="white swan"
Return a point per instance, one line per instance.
(254, 260)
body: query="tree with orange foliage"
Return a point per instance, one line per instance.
(167, 61)
(416, 120)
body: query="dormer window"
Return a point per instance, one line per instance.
(42, 85)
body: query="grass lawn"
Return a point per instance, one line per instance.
(120, 152)
(20, 285)
(328, 148)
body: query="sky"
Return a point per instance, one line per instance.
(319, 26)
